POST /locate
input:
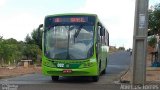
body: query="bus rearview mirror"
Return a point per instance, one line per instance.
(38, 36)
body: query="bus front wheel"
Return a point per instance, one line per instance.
(95, 78)
(55, 78)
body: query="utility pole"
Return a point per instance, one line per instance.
(140, 42)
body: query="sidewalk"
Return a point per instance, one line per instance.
(152, 74)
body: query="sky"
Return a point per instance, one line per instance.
(19, 17)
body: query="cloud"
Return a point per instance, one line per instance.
(117, 16)
(18, 25)
(2, 3)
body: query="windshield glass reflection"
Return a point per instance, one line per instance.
(69, 42)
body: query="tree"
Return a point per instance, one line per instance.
(152, 42)
(10, 41)
(36, 38)
(29, 40)
(154, 20)
(33, 45)
(31, 51)
(9, 51)
(1, 49)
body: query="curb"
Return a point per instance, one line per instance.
(153, 68)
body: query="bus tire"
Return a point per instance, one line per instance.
(104, 71)
(55, 78)
(100, 67)
(95, 78)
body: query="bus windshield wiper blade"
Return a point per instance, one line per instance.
(77, 33)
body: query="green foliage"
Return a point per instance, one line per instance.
(154, 20)
(33, 45)
(10, 41)
(11, 53)
(35, 38)
(152, 42)
(11, 50)
(31, 51)
(29, 40)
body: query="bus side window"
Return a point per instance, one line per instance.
(103, 37)
(98, 34)
(107, 38)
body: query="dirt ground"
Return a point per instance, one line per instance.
(16, 71)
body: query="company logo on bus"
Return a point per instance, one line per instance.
(72, 19)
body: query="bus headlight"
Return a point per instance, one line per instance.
(88, 64)
(48, 63)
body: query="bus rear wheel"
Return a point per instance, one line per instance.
(95, 78)
(55, 78)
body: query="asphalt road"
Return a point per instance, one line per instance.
(118, 63)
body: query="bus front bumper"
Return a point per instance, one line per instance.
(91, 71)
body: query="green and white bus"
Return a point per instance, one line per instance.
(74, 45)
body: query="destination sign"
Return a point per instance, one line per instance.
(70, 19)
(67, 20)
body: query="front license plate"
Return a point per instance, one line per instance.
(67, 71)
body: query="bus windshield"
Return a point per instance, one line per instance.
(69, 42)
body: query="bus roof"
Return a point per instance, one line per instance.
(70, 14)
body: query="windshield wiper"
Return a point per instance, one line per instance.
(77, 33)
